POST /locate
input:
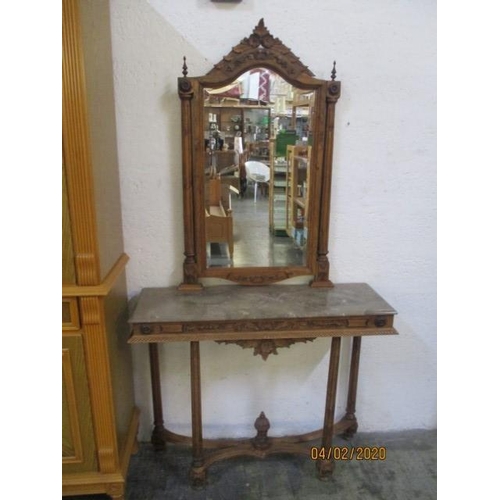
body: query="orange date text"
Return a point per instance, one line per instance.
(348, 453)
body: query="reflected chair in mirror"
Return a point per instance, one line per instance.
(258, 173)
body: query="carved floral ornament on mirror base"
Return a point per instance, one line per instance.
(260, 50)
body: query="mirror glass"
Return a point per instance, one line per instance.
(257, 139)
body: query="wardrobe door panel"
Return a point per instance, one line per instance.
(78, 447)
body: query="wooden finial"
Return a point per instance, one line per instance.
(184, 68)
(262, 425)
(334, 71)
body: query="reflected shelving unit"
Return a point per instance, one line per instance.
(277, 193)
(297, 193)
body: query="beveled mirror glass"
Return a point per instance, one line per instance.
(257, 161)
(257, 133)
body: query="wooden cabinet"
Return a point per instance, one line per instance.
(99, 419)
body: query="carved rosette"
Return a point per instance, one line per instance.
(333, 86)
(185, 88)
(264, 347)
(260, 48)
(333, 92)
(184, 85)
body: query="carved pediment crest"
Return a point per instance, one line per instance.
(260, 48)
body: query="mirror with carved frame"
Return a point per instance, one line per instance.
(230, 123)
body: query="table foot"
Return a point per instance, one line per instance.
(325, 469)
(350, 431)
(158, 438)
(198, 477)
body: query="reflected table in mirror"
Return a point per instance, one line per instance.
(265, 319)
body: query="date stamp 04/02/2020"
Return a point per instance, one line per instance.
(348, 453)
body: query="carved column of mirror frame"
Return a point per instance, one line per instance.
(260, 49)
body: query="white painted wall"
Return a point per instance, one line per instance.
(383, 220)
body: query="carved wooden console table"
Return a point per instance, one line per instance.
(264, 318)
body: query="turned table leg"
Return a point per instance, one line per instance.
(353, 388)
(198, 474)
(325, 467)
(159, 429)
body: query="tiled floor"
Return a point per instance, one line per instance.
(408, 472)
(254, 245)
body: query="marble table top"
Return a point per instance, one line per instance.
(230, 302)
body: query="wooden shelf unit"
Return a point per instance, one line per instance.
(277, 192)
(297, 193)
(226, 122)
(251, 123)
(302, 106)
